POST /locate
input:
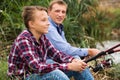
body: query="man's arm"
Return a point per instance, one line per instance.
(61, 44)
(71, 63)
(57, 55)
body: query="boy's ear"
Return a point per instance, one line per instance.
(30, 23)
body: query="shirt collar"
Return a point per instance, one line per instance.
(33, 38)
(54, 24)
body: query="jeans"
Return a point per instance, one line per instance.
(53, 75)
(60, 75)
(84, 75)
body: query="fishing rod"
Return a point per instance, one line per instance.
(108, 51)
(104, 63)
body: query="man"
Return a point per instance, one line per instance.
(57, 13)
(27, 58)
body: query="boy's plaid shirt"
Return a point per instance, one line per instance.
(29, 56)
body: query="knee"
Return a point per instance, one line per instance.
(58, 72)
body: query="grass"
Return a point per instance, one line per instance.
(3, 70)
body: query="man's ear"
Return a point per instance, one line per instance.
(48, 11)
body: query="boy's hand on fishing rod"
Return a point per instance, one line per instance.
(77, 65)
(93, 52)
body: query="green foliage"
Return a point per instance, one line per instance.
(3, 70)
(116, 18)
(88, 23)
(85, 23)
(11, 23)
(82, 30)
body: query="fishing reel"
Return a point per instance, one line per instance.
(102, 65)
(105, 63)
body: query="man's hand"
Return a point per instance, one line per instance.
(93, 52)
(77, 65)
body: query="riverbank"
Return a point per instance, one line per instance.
(107, 45)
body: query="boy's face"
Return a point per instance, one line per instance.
(58, 13)
(40, 23)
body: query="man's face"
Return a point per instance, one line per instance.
(40, 23)
(57, 13)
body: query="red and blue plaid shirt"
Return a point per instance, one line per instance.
(29, 56)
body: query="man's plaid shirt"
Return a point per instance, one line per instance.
(29, 56)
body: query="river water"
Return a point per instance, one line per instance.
(108, 44)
